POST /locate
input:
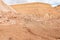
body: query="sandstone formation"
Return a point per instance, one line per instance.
(34, 21)
(57, 8)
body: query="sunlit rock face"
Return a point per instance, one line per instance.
(52, 2)
(4, 11)
(34, 21)
(57, 8)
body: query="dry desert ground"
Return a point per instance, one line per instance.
(33, 21)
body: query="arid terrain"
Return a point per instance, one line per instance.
(57, 8)
(33, 21)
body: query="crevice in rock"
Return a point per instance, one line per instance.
(10, 38)
(29, 31)
(58, 38)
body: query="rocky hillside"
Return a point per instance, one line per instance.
(58, 8)
(34, 21)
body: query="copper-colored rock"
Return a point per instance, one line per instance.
(57, 8)
(35, 21)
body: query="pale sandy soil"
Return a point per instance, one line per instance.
(35, 21)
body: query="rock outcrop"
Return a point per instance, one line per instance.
(34, 21)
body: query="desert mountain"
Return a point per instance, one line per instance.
(34, 21)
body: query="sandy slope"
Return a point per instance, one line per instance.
(35, 21)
